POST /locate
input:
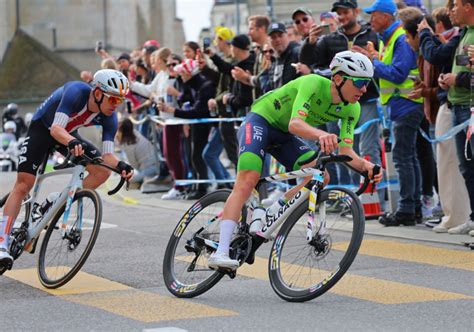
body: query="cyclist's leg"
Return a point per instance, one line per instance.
(290, 153)
(253, 138)
(32, 152)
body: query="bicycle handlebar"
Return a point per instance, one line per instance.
(84, 160)
(333, 158)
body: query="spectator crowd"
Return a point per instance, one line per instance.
(421, 90)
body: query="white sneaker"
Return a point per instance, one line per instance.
(440, 229)
(173, 194)
(462, 229)
(220, 259)
(273, 197)
(471, 233)
(6, 261)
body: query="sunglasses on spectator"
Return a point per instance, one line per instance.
(271, 51)
(359, 82)
(114, 100)
(304, 19)
(171, 65)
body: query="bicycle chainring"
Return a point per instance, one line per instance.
(241, 247)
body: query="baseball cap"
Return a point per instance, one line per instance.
(276, 27)
(124, 56)
(303, 10)
(241, 41)
(385, 6)
(344, 4)
(151, 42)
(224, 33)
(331, 15)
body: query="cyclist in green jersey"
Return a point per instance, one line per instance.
(280, 118)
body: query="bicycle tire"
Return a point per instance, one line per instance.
(44, 277)
(209, 205)
(298, 290)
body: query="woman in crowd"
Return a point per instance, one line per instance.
(139, 152)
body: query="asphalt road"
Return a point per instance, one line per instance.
(396, 283)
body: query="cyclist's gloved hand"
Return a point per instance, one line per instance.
(125, 169)
(375, 173)
(75, 147)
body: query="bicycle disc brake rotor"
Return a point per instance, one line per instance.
(74, 237)
(320, 246)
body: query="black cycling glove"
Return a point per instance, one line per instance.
(123, 166)
(73, 143)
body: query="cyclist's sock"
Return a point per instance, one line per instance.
(6, 224)
(227, 229)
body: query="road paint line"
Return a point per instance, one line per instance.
(165, 329)
(360, 287)
(417, 253)
(148, 307)
(116, 298)
(82, 283)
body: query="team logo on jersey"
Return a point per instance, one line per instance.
(307, 106)
(277, 104)
(318, 102)
(338, 109)
(302, 113)
(347, 140)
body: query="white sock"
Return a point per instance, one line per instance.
(6, 224)
(227, 229)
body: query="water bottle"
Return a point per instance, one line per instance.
(276, 206)
(258, 219)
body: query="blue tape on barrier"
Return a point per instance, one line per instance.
(447, 135)
(364, 127)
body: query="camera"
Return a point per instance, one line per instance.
(462, 60)
(99, 46)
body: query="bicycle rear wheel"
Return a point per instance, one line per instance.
(301, 270)
(185, 269)
(61, 257)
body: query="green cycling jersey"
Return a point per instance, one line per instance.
(308, 98)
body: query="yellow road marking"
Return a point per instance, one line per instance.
(119, 299)
(82, 283)
(417, 253)
(148, 307)
(360, 287)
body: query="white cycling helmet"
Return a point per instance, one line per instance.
(10, 125)
(111, 81)
(353, 64)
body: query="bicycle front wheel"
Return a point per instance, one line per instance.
(194, 239)
(302, 269)
(62, 256)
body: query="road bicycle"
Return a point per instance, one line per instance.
(311, 251)
(71, 221)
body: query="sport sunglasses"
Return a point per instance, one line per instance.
(359, 82)
(304, 19)
(114, 100)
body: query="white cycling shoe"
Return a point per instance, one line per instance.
(222, 260)
(6, 261)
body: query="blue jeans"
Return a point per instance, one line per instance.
(211, 154)
(461, 114)
(369, 140)
(406, 163)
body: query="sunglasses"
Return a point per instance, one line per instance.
(171, 65)
(271, 51)
(304, 19)
(114, 100)
(358, 82)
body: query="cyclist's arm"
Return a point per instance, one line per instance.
(299, 127)
(73, 99)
